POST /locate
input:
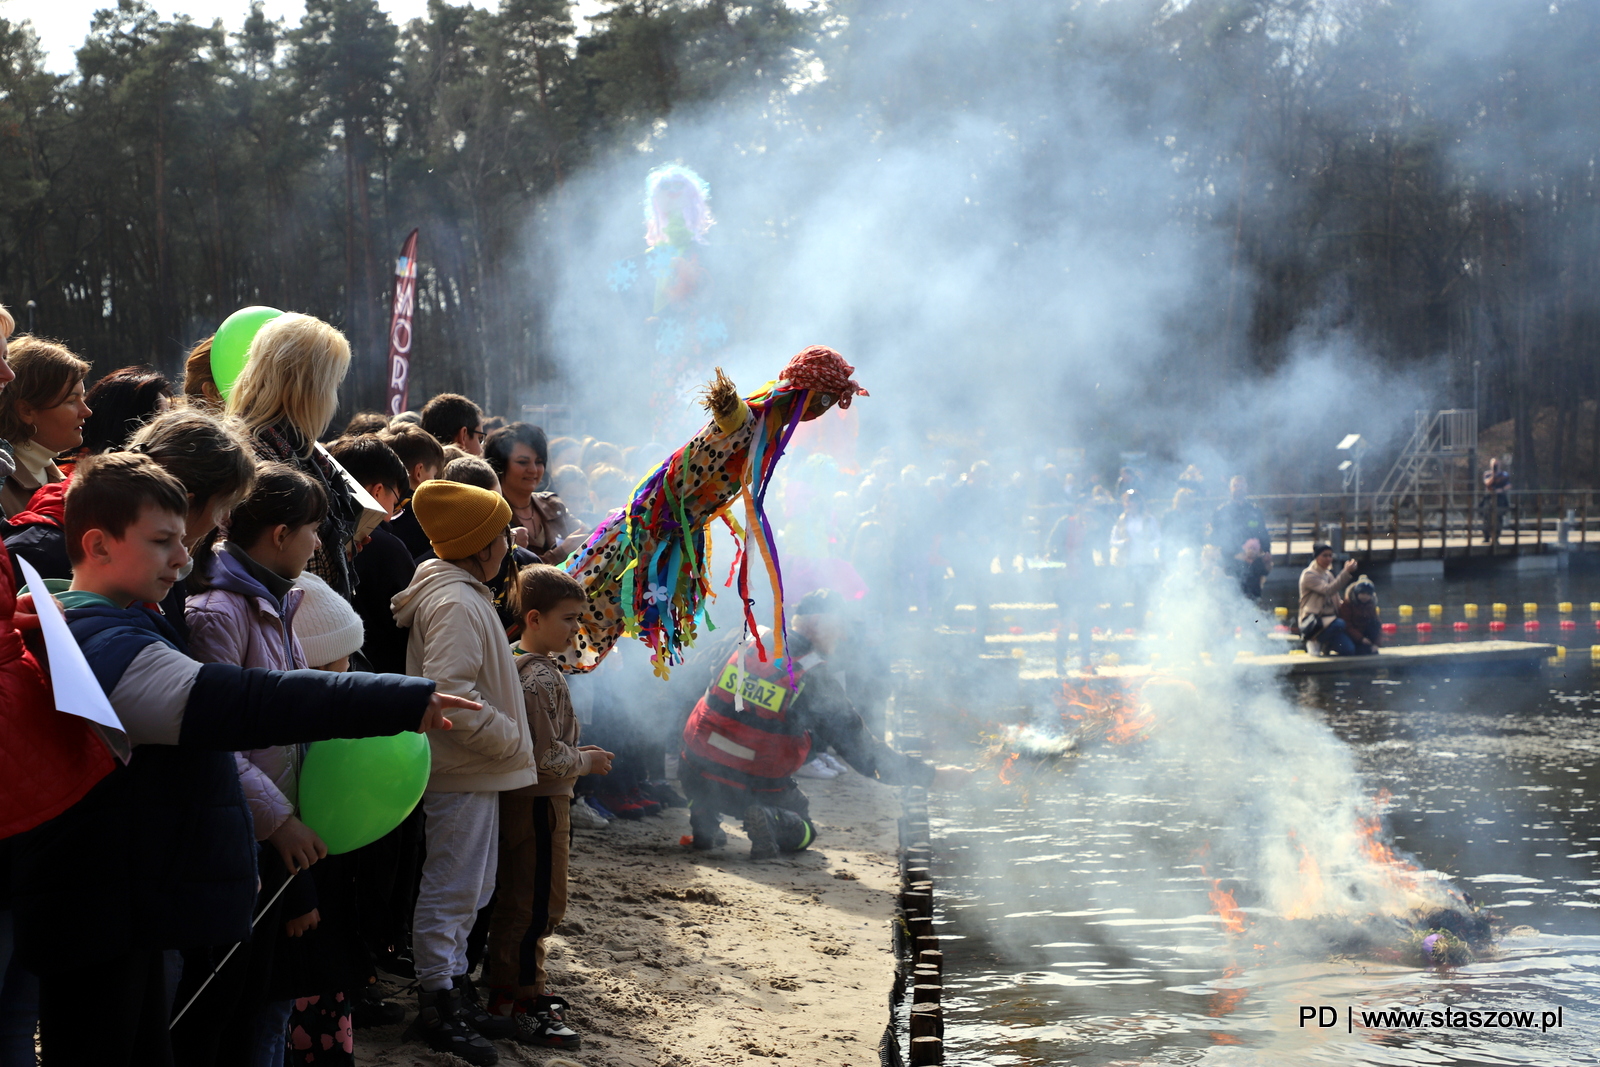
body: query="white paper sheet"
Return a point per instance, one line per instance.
(372, 512)
(77, 691)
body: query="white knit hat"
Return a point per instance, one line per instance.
(328, 627)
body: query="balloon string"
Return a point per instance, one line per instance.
(231, 951)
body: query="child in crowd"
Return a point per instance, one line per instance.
(423, 458)
(244, 616)
(456, 639)
(326, 969)
(535, 827)
(472, 470)
(385, 872)
(213, 459)
(111, 879)
(384, 565)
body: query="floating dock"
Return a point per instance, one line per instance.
(1409, 657)
(1464, 655)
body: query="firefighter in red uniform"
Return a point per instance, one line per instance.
(758, 723)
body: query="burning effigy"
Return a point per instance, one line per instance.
(1381, 905)
(1089, 714)
(1320, 880)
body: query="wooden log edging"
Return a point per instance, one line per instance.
(914, 1036)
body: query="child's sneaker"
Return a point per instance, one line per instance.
(594, 805)
(397, 961)
(623, 807)
(541, 1021)
(493, 1027)
(502, 1001)
(439, 1025)
(586, 818)
(638, 796)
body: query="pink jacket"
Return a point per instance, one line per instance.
(238, 621)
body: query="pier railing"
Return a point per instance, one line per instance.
(1433, 526)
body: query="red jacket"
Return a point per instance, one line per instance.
(48, 760)
(47, 505)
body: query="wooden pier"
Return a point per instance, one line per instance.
(1436, 526)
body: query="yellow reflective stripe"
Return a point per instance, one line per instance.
(764, 694)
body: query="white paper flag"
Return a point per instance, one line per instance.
(77, 691)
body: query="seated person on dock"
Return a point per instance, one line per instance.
(1360, 615)
(1320, 598)
(756, 725)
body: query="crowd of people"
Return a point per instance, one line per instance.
(242, 584)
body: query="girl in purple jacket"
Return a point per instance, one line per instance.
(245, 616)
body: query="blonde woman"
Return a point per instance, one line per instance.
(41, 416)
(286, 396)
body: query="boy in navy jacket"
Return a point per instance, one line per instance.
(161, 853)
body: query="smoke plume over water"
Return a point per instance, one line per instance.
(996, 214)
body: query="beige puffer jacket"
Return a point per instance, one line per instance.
(456, 640)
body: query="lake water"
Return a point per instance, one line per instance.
(1079, 928)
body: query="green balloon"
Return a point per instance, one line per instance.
(230, 348)
(353, 791)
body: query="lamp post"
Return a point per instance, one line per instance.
(1351, 467)
(31, 305)
(1472, 453)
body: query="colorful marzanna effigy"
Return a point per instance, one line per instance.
(647, 567)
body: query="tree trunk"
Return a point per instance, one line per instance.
(165, 330)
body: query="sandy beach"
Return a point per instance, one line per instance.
(673, 957)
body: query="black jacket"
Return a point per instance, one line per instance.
(42, 544)
(383, 568)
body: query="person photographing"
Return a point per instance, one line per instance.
(1321, 592)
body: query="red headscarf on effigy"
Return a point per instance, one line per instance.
(823, 370)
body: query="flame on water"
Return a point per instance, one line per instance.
(1115, 714)
(1312, 892)
(1006, 775)
(1390, 883)
(1223, 904)
(1355, 873)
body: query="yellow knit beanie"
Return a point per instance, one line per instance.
(460, 520)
